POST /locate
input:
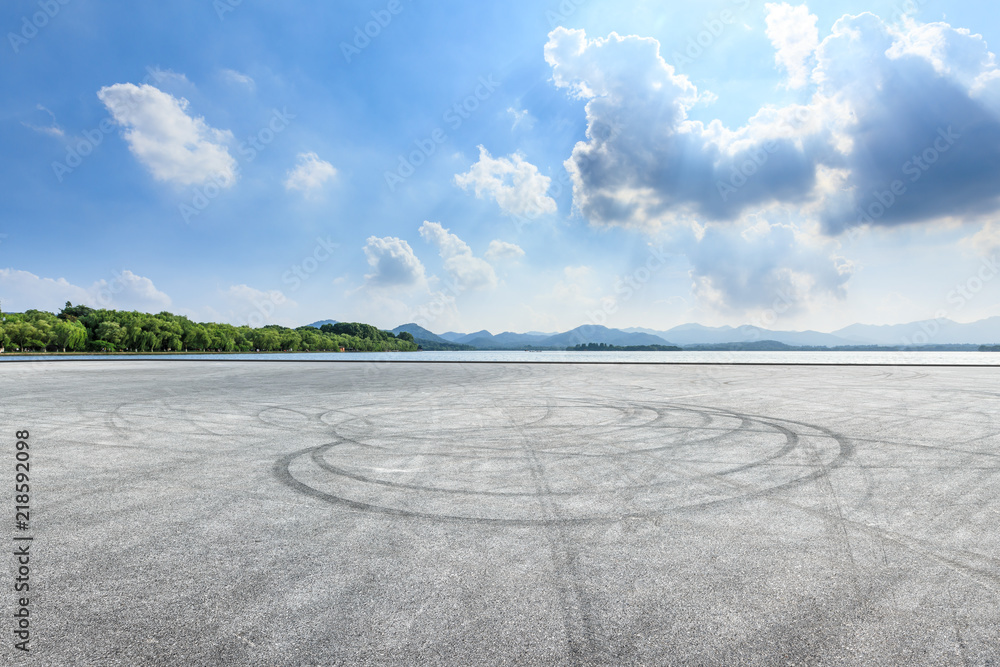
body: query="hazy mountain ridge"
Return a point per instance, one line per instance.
(923, 333)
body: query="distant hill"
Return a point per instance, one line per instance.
(419, 332)
(483, 340)
(435, 345)
(697, 334)
(517, 340)
(467, 338)
(756, 346)
(936, 332)
(322, 322)
(594, 333)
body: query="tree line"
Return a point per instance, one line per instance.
(85, 329)
(605, 347)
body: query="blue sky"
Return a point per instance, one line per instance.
(508, 166)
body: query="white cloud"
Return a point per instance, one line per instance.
(168, 77)
(577, 287)
(468, 271)
(792, 31)
(52, 129)
(393, 263)
(23, 291)
(128, 289)
(512, 182)
(765, 266)
(245, 305)
(232, 76)
(310, 174)
(521, 118)
(125, 291)
(438, 313)
(883, 96)
(174, 146)
(502, 251)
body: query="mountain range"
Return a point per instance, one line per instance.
(929, 332)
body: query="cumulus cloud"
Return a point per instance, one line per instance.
(916, 107)
(393, 263)
(986, 240)
(793, 33)
(500, 251)
(310, 174)
(644, 163)
(513, 182)
(763, 266)
(127, 289)
(124, 291)
(466, 270)
(173, 145)
(247, 305)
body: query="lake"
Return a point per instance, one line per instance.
(518, 356)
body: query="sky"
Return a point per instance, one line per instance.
(509, 166)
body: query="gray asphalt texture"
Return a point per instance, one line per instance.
(203, 513)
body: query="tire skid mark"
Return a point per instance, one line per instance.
(790, 436)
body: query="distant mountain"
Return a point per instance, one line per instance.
(441, 345)
(322, 322)
(516, 339)
(467, 338)
(697, 334)
(593, 333)
(506, 341)
(756, 346)
(419, 332)
(935, 332)
(928, 333)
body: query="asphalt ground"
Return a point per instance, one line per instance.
(254, 513)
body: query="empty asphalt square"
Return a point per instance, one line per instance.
(197, 513)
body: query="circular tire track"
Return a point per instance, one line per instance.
(573, 462)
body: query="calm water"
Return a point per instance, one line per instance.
(887, 358)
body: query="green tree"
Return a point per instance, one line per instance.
(26, 336)
(69, 335)
(111, 332)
